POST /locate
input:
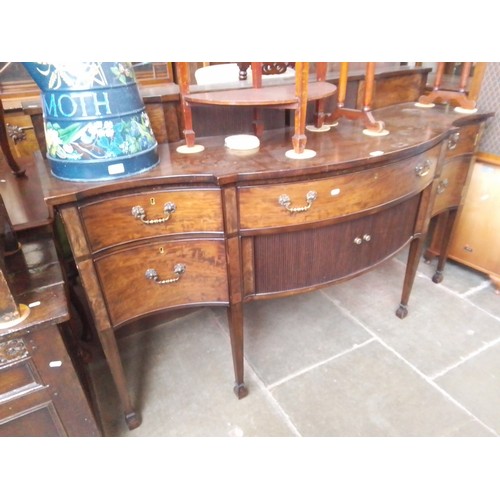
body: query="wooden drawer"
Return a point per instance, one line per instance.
(462, 141)
(306, 258)
(129, 293)
(337, 196)
(109, 222)
(451, 183)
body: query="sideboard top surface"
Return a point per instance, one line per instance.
(345, 147)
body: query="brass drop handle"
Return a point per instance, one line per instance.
(152, 274)
(285, 201)
(422, 169)
(358, 240)
(139, 213)
(453, 140)
(442, 186)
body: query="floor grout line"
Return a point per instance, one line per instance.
(464, 359)
(316, 365)
(425, 377)
(262, 386)
(274, 402)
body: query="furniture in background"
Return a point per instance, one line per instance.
(392, 84)
(288, 97)
(41, 393)
(476, 239)
(44, 389)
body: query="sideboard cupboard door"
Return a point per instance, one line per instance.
(302, 259)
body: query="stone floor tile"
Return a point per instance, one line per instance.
(180, 376)
(476, 385)
(371, 392)
(284, 336)
(440, 329)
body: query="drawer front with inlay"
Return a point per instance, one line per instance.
(151, 214)
(161, 275)
(300, 203)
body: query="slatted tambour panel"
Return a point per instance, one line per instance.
(295, 260)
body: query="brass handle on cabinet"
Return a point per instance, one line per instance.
(442, 186)
(152, 274)
(285, 201)
(423, 168)
(453, 140)
(139, 213)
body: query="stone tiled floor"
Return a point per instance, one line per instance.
(335, 362)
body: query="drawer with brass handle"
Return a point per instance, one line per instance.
(451, 184)
(133, 217)
(289, 204)
(462, 141)
(161, 275)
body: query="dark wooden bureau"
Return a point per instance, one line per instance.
(222, 228)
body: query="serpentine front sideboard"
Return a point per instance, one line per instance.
(222, 228)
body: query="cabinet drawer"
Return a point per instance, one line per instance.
(337, 196)
(462, 141)
(451, 183)
(109, 222)
(300, 259)
(18, 379)
(196, 269)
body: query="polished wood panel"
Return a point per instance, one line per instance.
(130, 294)
(463, 140)
(302, 259)
(451, 183)
(337, 196)
(110, 221)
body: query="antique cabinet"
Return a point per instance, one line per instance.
(224, 228)
(41, 392)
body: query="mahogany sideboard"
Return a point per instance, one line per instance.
(222, 228)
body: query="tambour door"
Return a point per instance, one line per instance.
(305, 258)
